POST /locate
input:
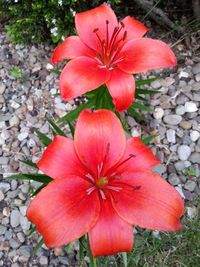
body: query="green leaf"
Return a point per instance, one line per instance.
(56, 128)
(146, 91)
(141, 98)
(147, 140)
(43, 138)
(38, 190)
(147, 81)
(42, 178)
(32, 230)
(69, 117)
(135, 114)
(141, 107)
(16, 72)
(71, 128)
(29, 163)
(38, 246)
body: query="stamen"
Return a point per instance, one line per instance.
(114, 188)
(107, 34)
(102, 194)
(90, 177)
(122, 24)
(99, 169)
(90, 190)
(136, 187)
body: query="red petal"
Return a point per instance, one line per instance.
(146, 54)
(148, 201)
(142, 156)
(111, 234)
(60, 159)
(122, 89)
(63, 211)
(88, 21)
(81, 75)
(71, 47)
(99, 139)
(135, 29)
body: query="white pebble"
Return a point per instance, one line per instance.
(158, 113)
(22, 136)
(194, 135)
(190, 107)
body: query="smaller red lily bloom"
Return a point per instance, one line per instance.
(102, 185)
(108, 52)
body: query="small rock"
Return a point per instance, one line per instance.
(25, 224)
(197, 77)
(25, 251)
(195, 157)
(185, 125)
(2, 88)
(4, 160)
(172, 119)
(180, 110)
(14, 121)
(14, 244)
(159, 169)
(184, 152)
(179, 166)
(22, 136)
(2, 229)
(194, 135)
(171, 136)
(174, 179)
(196, 68)
(1, 195)
(4, 187)
(31, 143)
(14, 104)
(190, 107)
(158, 113)
(192, 212)
(156, 84)
(15, 218)
(190, 185)
(180, 191)
(183, 74)
(43, 260)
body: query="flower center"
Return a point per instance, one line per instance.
(101, 182)
(110, 46)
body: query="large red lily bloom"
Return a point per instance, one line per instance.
(108, 52)
(102, 185)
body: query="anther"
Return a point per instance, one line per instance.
(125, 35)
(95, 30)
(122, 24)
(107, 21)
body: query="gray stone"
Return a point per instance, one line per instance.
(190, 107)
(196, 68)
(195, 157)
(25, 224)
(2, 229)
(14, 121)
(4, 187)
(172, 119)
(171, 136)
(14, 244)
(156, 84)
(15, 218)
(43, 260)
(190, 185)
(192, 212)
(179, 165)
(22, 136)
(159, 169)
(184, 152)
(194, 135)
(25, 251)
(2, 88)
(180, 110)
(4, 160)
(158, 113)
(174, 179)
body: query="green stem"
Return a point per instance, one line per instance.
(124, 256)
(81, 248)
(93, 260)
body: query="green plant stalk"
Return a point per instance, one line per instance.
(124, 256)
(93, 260)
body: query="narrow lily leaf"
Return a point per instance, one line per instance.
(147, 81)
(141, 107)
(123, 122)
(147, 140)
(135, 114)
(69, 248)
(56, 94)
(56, 128)
(141, 98)
(69, 117)
(42, 178)
(43, 138)
(32, 230)
(71, 127)
(29, 163)
(38, 190)
(38, 246)
(146, 91)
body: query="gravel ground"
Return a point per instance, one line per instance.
(24, 104)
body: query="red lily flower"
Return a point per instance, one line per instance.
(108, 52)
(102, 185)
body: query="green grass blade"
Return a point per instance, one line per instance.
(147, 139)
(71, 127)
(42, 178)
(71, 116)
(141, 107)
(147, 81)
(56, 128)
(38, 246)
(29, 163)
(146, 91)
(136, 115)
(35, 192)
(43, 138)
